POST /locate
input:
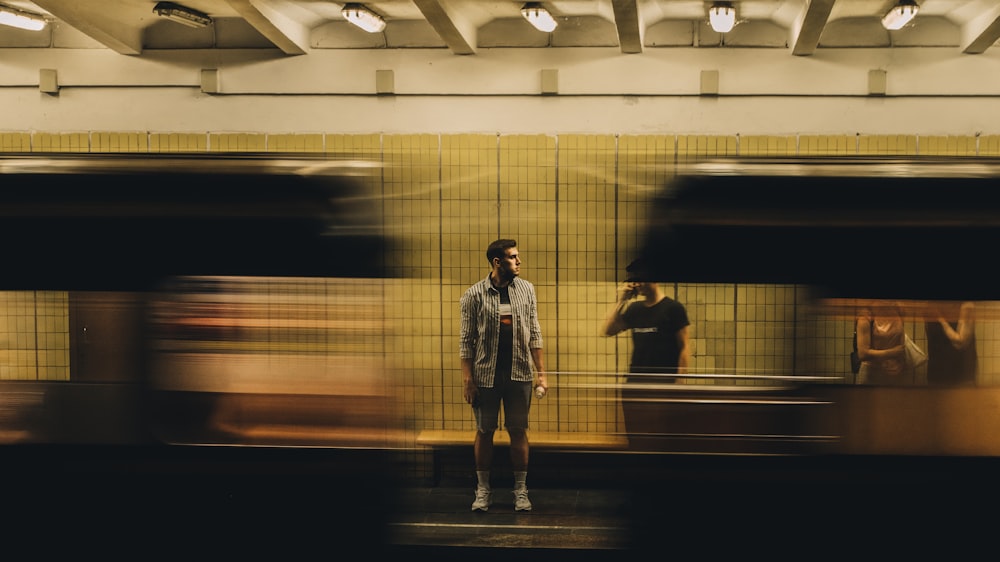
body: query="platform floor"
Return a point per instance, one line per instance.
(578, 524)
(804, 508)
(573, 519)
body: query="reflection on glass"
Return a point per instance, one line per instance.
(953, 357)
(947, 332)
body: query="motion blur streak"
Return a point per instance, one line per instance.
(272, 361)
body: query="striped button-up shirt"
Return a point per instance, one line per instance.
(480, 333)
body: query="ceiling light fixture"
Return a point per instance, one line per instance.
(722, 17)
(21, 19)
(538, 16)
(181, 14)
(363, 17)
(900, 14)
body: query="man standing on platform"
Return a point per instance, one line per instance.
(500, 340)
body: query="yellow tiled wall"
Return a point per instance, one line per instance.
(576, 205)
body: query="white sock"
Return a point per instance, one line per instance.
(483, 476)
(520, 477)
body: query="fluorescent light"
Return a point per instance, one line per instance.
(900, 14)
(363, 18)
(538, 16)
(722, 17)
(180, 14)
(21, 19)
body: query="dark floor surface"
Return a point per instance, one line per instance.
(787, 508)
(207, 503)
(560, 519)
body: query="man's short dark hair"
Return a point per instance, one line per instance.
(498, 248)
(637, 271)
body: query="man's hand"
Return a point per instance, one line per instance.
(542, 386)
(471, 392)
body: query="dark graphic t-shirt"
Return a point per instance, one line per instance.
(505, 346)
(654, 335)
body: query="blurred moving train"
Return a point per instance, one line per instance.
(856, 232)
(201, 275)
(907, 460)
(248, 293)
(223, 374)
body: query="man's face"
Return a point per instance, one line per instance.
(510, 264)
(642, 288)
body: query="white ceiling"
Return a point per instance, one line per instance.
(465, 27)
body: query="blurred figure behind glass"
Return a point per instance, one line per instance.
(660, 350)
(952, 358)
(881, 345)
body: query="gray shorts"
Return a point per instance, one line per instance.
(516, 398)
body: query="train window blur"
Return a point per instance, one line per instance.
(272, 361)
(240, 360)
(232, 359)
(782, 331)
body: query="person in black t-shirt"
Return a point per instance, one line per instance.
(660, 349)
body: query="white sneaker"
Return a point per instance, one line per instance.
(521, 501)
(484, 498)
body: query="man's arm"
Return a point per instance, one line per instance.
(966, 323)
(538, 357)
(469, 388)
(685, 351)
(614, 323)
(466, 346)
